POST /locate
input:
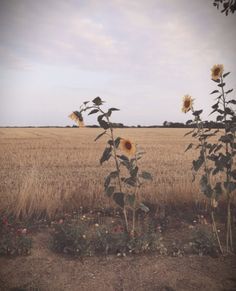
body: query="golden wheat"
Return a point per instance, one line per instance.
(48, 170)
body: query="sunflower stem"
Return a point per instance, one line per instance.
(229, 240)
(116, 163)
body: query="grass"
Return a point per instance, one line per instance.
(49, 170)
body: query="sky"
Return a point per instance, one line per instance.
(139, 56)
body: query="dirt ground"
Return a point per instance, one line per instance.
(46, 270)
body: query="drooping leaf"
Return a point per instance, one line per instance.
(109, 112)
(134, 171)
(219, 118)
(106, 155)
(131, 181)
(100, 135)
(131, 199)
(226, 74)
(189, 147)
(233, 101)
(221, 85)
(189, 132)
(146, 175)
(215, 91)
(198, 163)
(110, 190)
(119, 199)
(197, 112)
(93, 111)
(229, 91)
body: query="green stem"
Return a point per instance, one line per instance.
(229, 241)
(117, 165)
(215, 230)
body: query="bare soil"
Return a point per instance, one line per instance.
(46, 270)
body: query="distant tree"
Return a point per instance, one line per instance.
(226, 6)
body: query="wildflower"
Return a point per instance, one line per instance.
(187, 103)
(5, 221)
(24, 231)
(77, 117)
(84, 236)
(61, 221)
(127, 146)
(216, 72)
(96, 224)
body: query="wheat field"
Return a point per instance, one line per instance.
(53, 169)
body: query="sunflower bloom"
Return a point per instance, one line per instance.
(77, 117)
(216, 72)
(127, 147)
(187, 103)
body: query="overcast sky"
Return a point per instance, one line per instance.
(140, 56)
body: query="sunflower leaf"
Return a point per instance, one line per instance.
(146, 175)
(229, 91)
(197, 112)
(189, 147)
(109, 112)
(118, 197)
(106, 155)
(189, 132)
(102, 122)
(215, 91)
(93, 111)
(100, 135)
(226, 74)
(233, 101)
(221, 85)
(131, 199)
(97, 101)
(110, 190)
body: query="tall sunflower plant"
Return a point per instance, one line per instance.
(216, 158)
(123, 183)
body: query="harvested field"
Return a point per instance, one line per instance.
(49, 169)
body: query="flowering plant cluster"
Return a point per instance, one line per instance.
(216, 158)
(14, 240)
(124, 182)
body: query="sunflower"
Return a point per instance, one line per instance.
(216, 72)
(187, 103)
(127, 146)
(77, 117)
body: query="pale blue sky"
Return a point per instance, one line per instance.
(140, 56)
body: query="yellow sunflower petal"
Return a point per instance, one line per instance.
(127, 147)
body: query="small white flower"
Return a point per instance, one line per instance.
(84, 236)
(96, 224)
